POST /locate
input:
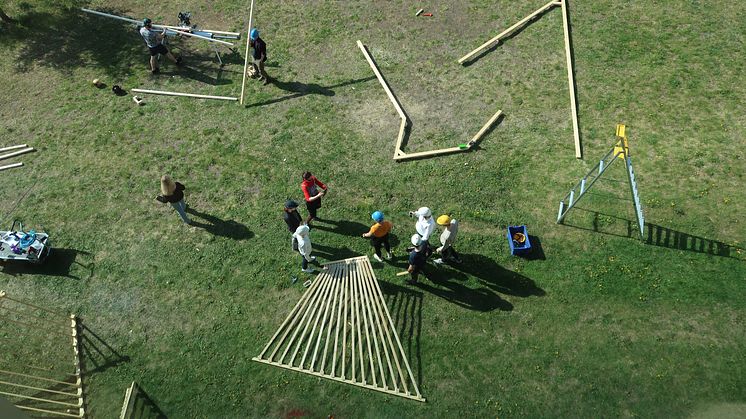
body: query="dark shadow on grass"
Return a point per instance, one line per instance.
(448, 284)
(537, 252)
(96, 354)
(144, 407)
(344, 227)
(58, 263)
(660, 236)
(219, 227)
(332, 253)
(405, 307)
(299, 89)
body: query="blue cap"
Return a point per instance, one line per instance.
(377, 216)
(254, 34)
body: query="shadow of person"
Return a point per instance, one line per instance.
(299, 89)
(224, 228)
(344, 227)
(58, 263)
(332, 253)
(448, 285)
(405, 307)
(496, 277)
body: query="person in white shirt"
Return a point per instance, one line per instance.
(447, 239)
(304, 247)
(425, 225)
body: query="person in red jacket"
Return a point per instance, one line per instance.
(310, 187)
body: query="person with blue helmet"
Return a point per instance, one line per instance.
(379, 235)
(154, 41)
(259, 55)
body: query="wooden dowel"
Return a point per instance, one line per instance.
(313, 309)
(372, 322)
(333, 303)
(49, 412)
(571, 82)
(159, 92)
(5, 296)
(484, 128)
(366, 315)
(381, 80)
(13, 147)
(322, 317)
(39, 389)
(359, 333)
(16, 153)
(344, 326)
(505, 32)
(38, 399)
(246, 58)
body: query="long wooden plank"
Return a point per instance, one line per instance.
(48, 412)
(38, 399)
(39, 389)
(339, 301)
(313, 307)
(16, 153)
(344, 327)
(246, 58)
(323, 319)
(372, 323)
(160, 92)
(400, 138)
(334, 303)
(381, 80)
(485, 128)
(449, 150)
(382, 327)
(14, 147)
(505, 32)
(359, 316)
(364, 312)
(571, 81)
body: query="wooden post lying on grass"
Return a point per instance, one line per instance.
(16, 153)
(506, 32)
(14, 147)
(10, 166)
(246, 59)
(160, 92)
(571, 81)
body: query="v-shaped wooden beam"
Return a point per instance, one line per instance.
(570, 78)
(398, 153)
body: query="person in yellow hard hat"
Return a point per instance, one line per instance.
(447, 239)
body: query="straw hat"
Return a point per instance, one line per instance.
(168, 187)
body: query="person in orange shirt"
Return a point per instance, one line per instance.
(379, 235)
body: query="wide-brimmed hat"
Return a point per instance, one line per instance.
(168, 187)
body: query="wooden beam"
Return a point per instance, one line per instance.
(218, 41)
(505, 32)
(10, 166)
(159, 92)
(13, 147)
(49, 412)
(571, 82)
(485, 128)
(16, 153)
(381, 80)
(407, 156)
(246, 58)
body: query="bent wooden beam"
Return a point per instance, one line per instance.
(159, 92)
(506, 32)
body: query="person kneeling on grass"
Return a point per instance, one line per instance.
(303, 238)
(154, 41)
(379, 235)
(417, 258)
(447, 239)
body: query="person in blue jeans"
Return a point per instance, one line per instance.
(173, 193)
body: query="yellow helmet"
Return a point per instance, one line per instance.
(444, 220)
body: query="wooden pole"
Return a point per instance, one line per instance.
(10, 166)
(218, 41)
(344, 328)
(13, 147)
(38, 389)
(484, 129)
(571, 82)
(38, 399)
(381, 80)
(313, 309)
(373, 324)
(334, 300)
(505, 32)
(364, 311)
(159, 92)
(16, 153)
(246, 59)
(49, 412)
(49, 380)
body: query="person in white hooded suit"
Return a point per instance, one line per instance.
(425, 225)
(303, 238)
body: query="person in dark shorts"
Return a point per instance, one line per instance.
(154, 41)
(259, 55)
(379, 235)
(292, 219)
(417, 258)
(310, 187)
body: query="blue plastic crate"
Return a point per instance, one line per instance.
(516, 249)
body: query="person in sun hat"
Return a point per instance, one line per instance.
(417, 258)
(173, 193)
(259, 55)
(302, 235)
(292, 219)
(425, 224)
(379, 235)
(154, 41)
(447, 239)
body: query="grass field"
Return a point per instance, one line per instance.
(598, 324)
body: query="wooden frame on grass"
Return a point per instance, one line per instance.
(568, 55)
(344, 299)
(24, 384)
(400, 155)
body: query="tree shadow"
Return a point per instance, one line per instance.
(405, 307)
(64, 38)
(219, 227)
(660, 236)
(299, 89)
(344, 227)
(58, 263)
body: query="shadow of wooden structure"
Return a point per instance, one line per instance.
(40, 369)
(138, 405)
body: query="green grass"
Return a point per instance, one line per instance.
(606, 325)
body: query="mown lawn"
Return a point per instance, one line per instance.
(603, 325)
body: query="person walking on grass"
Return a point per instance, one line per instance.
(417, 258)
(312, 194)
(425, 225)
(303, 238)
(154, 41)
(447, 239)
(292, 219)
(173, 193)
(379, 235)
(259, 55)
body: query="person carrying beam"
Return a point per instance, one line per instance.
(154, 41)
